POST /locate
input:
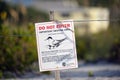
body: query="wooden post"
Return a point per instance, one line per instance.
(51, 15)
(57, 75)
(57, 72)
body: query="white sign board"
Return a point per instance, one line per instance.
(56, 45)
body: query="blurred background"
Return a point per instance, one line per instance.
(97, 31)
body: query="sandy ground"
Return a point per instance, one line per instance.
(99, 71)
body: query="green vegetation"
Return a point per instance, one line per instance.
(18, 48)
(1, 74)
(40, 16)
(90, 74)
(101, 46)
(17, 38)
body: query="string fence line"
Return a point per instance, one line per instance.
(19, 35)
(110, 20)
(76, 21)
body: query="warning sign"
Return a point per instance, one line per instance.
(56, 45)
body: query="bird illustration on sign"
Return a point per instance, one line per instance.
(53, 43)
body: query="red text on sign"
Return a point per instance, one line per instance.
(50, 27)
(63, 26)
(42, 28)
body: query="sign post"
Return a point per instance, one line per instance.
(57, 72)
(56, 45)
